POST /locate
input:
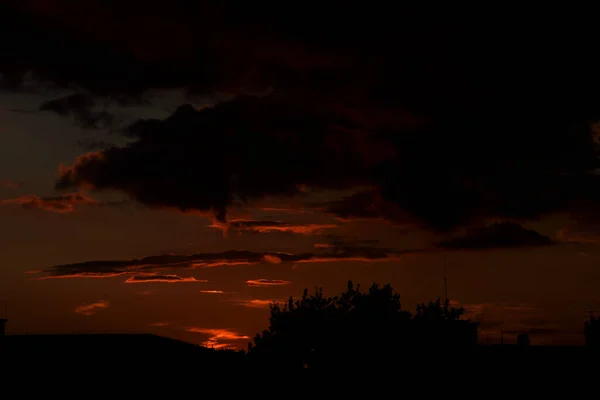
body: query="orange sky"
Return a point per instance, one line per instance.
(547, 290)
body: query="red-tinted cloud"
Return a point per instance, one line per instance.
(162, 278)
(60, 204)
(219, 338)
(272, 259)
(255, 303)
(156, 265)
(259, 226)
(212, 291)
(324, 259)
(286, 210)
(266, 282)
(220, 263)
(91, 308)
(82, 274)
(581, 229)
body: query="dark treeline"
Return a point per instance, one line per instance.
(323, 332)
(369, 330)
(358, 330)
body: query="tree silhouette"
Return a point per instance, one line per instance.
(316, 331)
(435, 311)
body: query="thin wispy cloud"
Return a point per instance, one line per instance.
(272, 259)
(219, 338)
(159, 324)
(286, 210)
(163, 278)
(255, 303)
(266, 282)
(83, 274)
(152, 265)
(65, 203)
(62, 204)
(265, 226)
(579, 233)
(91, 308)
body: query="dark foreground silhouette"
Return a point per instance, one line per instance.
(360, 328)
(354, 331)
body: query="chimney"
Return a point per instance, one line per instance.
(523, 340)
(3, 322)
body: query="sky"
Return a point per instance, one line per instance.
(174, 169)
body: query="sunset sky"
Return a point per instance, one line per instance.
(175, 169)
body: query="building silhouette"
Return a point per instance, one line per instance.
(3, 322)
(523, 340)
(592, 333)
(35, 354)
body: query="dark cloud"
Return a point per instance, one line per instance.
(94, 144)
(363, 248)
(498, 235)
(341, 241)
(117, 49)
(82, 108)
(266, 146)
(364, 204)
(147, 268)
(242, 149)
(448, 120)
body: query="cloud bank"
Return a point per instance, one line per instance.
(149, 268)
(444, 132)
(498, 235)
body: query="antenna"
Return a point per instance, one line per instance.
(3, 321)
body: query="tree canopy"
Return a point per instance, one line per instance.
(316, 330)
